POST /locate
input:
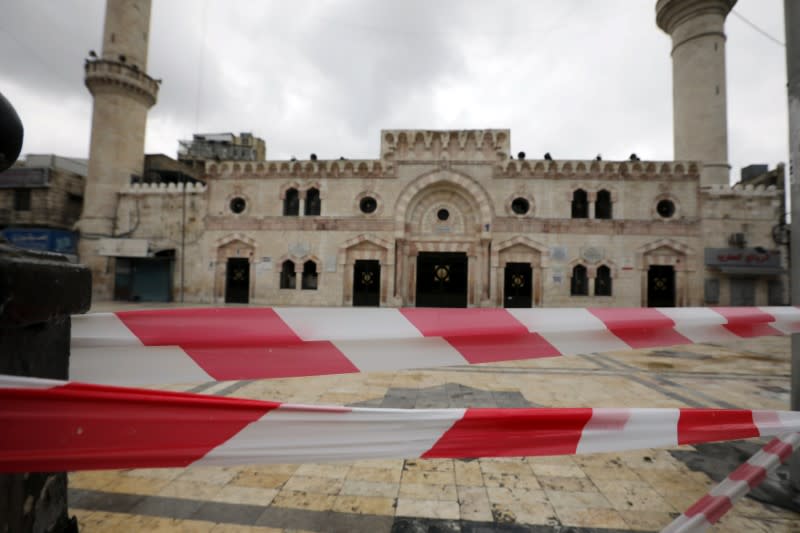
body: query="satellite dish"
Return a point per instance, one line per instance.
(781, 233)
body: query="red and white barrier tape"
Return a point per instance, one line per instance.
(710, 508)
(57, 426)
(201, 344)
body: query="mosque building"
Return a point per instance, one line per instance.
(437, 218)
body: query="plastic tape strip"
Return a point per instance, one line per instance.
(710, 508)
(57, 426)
(204, 344)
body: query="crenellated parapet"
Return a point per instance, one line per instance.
(164, 188)
(435, 145)
(103, 75)
(532, 168)
(751, 191)
(317, 169)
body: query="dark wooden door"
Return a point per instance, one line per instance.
(366, 283)
(442, 279)
(237, 281)
(518, 286)
(661, 286)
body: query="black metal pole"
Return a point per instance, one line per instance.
(791, 10)
(183, 235)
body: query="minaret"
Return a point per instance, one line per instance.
(698, 82)
(123, 93)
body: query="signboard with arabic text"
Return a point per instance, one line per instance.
(742, 257)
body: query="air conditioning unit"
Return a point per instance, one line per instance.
(737, 239)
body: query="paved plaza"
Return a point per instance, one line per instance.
(634, 491)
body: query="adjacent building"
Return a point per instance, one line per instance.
(41, 198)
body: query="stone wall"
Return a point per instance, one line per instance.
(58, 205)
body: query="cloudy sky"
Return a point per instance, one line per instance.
(572, 77)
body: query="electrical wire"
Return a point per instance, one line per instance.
(199, 94)
(758, 29)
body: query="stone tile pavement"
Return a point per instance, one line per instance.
(634, 491)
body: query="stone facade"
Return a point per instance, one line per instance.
(439, 217)
(43, 191)
(468, 174)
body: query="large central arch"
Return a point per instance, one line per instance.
(440, 212)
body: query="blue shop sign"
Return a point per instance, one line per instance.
(50, 240)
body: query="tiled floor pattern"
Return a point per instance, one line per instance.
(635, 491)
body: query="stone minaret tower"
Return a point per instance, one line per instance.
(123, 93)
(698, 82)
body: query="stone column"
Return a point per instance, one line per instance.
(698, 82)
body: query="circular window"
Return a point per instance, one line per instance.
(666, 208)
(443, 214)
(238, 204)
(368, 205)
(520, 206)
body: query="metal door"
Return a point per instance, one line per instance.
(366, 283)
(237, 281)
(743, 291)
(442, 279)
(661, 286)
(518, 286)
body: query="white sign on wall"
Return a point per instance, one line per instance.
(265, 265)
(558, 254)
(330, 263)
(122, 247)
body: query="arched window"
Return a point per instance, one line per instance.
(602, 206)
(291, 203)
(309, 276)
(580, 204)
(579, 285)
(602, 283)
(313, 203)
(287, 275)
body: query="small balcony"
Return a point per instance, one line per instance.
(102, 74)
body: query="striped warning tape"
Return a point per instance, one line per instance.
(63, 426)
(710, 508)
(202, 344)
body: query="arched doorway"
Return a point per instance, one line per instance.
(233, 276)
(366, 262)
(443, 226)
(517, 272)
(665, 267)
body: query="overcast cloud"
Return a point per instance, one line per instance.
(572, 77)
